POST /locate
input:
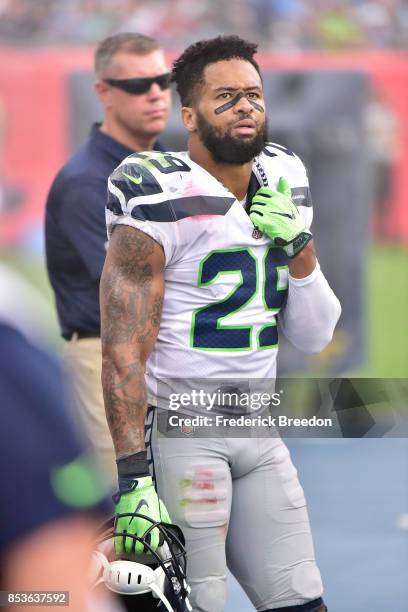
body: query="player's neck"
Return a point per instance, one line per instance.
(234, 178)
(139, 142)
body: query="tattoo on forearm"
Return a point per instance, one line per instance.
(131, 306)
(125, 402)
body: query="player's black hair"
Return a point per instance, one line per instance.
(188, 69)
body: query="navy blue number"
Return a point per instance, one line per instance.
(172, 164)
(206, 330)
(274, 294)
(267, 150)
(138, 180)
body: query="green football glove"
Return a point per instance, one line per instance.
(138, 495)
(274, 213)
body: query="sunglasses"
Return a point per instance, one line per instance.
(140, 86)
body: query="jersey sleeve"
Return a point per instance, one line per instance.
(139, 196)
(311, 312)
(278, 161)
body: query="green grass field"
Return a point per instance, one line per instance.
(387, 308)
(387, 313)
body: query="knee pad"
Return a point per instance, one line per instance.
(317, 605)
(208, 596)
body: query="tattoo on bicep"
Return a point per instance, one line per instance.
(156, 311)
(133, 311)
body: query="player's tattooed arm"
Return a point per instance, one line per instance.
(131, 297)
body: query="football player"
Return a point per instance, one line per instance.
(208, 248)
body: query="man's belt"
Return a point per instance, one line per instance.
(81, 335)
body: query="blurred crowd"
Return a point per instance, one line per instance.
(276, 24)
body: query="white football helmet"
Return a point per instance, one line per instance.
(161, 573)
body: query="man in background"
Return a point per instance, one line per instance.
(133, 87)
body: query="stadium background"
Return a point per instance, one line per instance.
(336, 78)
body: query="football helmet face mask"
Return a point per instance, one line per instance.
(161, 573)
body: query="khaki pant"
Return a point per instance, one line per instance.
(82, 364)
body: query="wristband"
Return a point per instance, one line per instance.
(133, 466)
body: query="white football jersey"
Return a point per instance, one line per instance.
(224, 283)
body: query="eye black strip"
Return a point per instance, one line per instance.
(231, 103)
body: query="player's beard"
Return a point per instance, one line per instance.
(227, 149)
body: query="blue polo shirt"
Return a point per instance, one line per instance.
(75, 231)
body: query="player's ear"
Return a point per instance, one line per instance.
(189, 118)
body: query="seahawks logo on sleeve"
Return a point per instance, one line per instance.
(163, 188)
(141, 175)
